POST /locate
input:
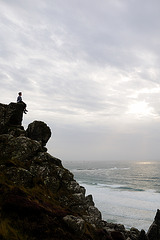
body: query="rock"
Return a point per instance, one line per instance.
(119, 227)
(10, 115)
(154, 230)
(76, 224)
(47, 171)
(20, 148)
(157, 217)
(134, 233)
(117, 235)
(44, 158)
(89, 200)
(79, 197)
(93, 216)
(39, 131)
(83, 190)
(102, 234)
(43, 196)
(113, 229)
(74, 187)
(142, 235)
(16, 131)
(19, 176)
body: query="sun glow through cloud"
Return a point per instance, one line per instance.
(140, 109)
(90, 70)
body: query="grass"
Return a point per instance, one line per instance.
(31, 213)
(7, 232)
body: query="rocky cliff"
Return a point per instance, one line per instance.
(40, 199)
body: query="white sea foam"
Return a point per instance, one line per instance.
(126, 193)
(133, 209)
(99, 169)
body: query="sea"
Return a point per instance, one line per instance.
(126, 193)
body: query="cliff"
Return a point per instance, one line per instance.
(40, 199)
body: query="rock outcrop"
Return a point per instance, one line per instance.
(154, 230)
(10, 115)
(39, 198)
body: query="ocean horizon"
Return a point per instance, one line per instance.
(126, 193)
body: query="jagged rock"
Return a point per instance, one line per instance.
(83, 190)
(89, 200)
(39, 131)
(64, 174)
(74, 187)
(93, 216)
(76, 224)
(157, 217)
(79, 197)
(10, 115)
(46, 170)
(75, 201)
(154, 230)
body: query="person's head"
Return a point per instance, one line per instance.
(20, 93)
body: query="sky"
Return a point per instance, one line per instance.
(90, 70)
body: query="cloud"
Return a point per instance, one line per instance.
(83, 67)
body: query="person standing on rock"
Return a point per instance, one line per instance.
(19, 100)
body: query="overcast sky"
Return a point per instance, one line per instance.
(89, 69)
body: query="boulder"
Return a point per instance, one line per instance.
(39, 131)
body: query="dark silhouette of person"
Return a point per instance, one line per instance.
(19, 100)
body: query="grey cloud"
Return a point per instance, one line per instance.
(83, 63)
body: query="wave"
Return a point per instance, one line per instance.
(127, 194)
(113, 186)
(118, 187)
(99, 169)
(118, 168)
(102, 185)
(131, 189)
